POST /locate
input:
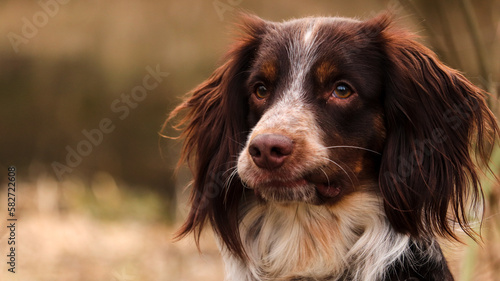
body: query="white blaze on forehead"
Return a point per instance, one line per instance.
(301, 53)
(307, 36)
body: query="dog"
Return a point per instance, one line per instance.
(328, 148)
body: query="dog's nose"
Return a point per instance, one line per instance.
(269, 151)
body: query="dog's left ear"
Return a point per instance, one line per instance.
(436, 122)
(214, 128)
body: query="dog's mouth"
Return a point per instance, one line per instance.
(307, 189)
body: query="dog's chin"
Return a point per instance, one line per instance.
(300, 190)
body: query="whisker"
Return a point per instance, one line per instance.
(232, 171)
(227, 184)
(232, 166)
(327, 178)
(242, 144)
(338, 165)
(355, 147)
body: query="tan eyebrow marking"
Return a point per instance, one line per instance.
(324, 70)
(269, 70)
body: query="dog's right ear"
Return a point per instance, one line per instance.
(214, 127)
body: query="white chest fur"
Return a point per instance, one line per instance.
(287, 241)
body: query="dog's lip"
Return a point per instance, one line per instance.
(328, 190)
(325, 189)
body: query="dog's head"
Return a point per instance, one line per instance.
(315, 109)
(315, 106)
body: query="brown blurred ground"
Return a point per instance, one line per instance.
(57, 242)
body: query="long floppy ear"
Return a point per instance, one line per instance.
(436, 122)
(214, 129)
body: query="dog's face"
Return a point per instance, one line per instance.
(315, 105)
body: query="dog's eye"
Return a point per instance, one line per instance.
(261, 92)
(342, 91)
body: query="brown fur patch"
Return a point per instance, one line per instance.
(324, 70)
(269, 70)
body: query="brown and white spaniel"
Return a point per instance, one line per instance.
(334, 149)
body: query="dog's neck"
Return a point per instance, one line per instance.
(351, 239)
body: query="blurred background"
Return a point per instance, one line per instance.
(86, 87)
